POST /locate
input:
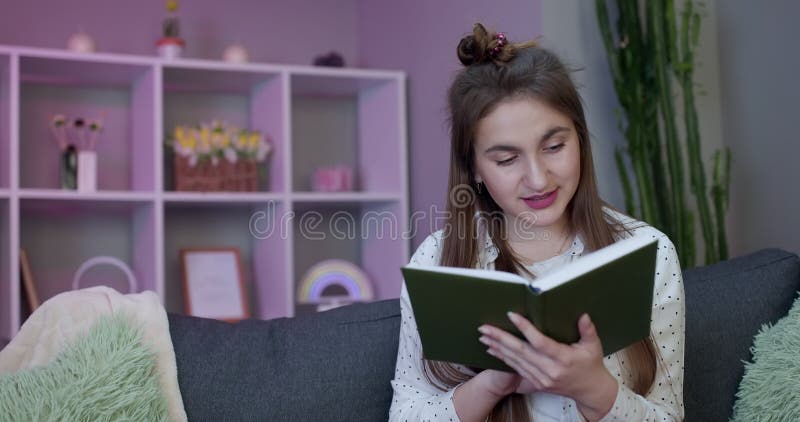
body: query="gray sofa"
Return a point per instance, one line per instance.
(336, 366)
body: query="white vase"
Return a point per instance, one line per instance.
(87, 171)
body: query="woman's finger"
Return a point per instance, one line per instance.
(529, 374)
(512, 343)
(526, 361)
(528, 369)
(588, 332)
(508, 340)
(539, 341)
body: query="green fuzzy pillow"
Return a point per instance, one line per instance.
(106, 375)
(770, 388)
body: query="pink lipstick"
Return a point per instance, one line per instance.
(540, 202)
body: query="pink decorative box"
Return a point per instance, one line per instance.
(332, 179)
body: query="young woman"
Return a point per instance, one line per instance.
(521, 157)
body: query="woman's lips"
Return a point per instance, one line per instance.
(545, 201)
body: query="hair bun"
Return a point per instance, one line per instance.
(484, 46)
(466, 50)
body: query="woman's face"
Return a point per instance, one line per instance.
(528, 157)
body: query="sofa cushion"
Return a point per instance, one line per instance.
(332, 366)
(726, 304)
(770, 388)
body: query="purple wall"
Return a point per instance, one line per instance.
(273, 31)
(420, 37)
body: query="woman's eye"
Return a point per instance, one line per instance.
(555, 148)
(506, 161)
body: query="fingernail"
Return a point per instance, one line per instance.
(491, 352)
(512, 316)
(483, 330)
(483, 339)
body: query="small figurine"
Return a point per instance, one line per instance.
(332, 59)
(171, 45)
(81, 42)
(235, 53)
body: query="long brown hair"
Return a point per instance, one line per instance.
(496, 71)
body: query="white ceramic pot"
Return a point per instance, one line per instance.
(170, 48)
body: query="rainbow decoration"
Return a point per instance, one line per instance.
(334, 272)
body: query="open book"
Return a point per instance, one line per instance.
(614, 285)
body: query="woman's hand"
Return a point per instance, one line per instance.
(574, 370)
(500, 384)
(474, 399)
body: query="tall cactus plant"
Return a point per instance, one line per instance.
(646, 56)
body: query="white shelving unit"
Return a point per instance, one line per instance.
(314, 116)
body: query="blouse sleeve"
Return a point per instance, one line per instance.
(664, 401)
(414, 398)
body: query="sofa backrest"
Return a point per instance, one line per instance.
(336, 365)
(332, 366)
(726, 305)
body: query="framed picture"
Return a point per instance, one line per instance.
(212, 283)
(27, 281)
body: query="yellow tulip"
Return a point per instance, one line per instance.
(241, 141)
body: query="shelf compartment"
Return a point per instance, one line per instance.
(120, 94)
(5, 121)
(353, 121)
(253, 229)
(371, 235)
(333, 82)
(66, 68)
(60, 235)
(223, 79)
(247, 99)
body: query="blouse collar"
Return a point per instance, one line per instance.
(489, 251)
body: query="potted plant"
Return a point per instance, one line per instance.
(653, 48)
(217, 157)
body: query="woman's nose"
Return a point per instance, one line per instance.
(536, 176)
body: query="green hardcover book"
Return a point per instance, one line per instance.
(614, 285)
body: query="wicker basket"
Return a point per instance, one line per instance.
(241, 176)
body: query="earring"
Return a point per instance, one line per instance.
(480, 189)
